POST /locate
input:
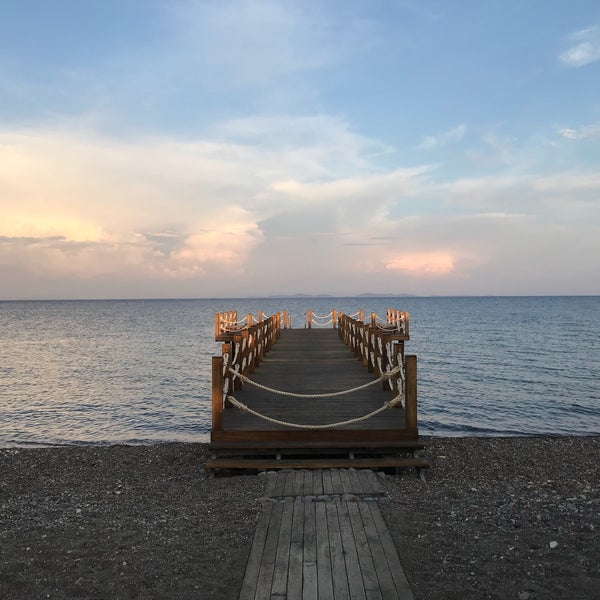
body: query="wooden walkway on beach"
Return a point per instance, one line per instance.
(321, 536)
(370, 423)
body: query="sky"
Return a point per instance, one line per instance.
(200, 148)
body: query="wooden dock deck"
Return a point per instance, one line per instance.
(357, 425)
(323, 537)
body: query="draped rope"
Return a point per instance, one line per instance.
(384, 376)
(389, 404)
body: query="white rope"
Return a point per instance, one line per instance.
(384, 376)
(319, 324)
(321, 316)
(390, 404)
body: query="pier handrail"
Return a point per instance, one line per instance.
(379, 347)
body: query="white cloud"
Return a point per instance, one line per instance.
(583, 133)
(584, 48)
(452, 136)
(252, 43)
(215, 216)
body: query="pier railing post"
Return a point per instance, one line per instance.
(411, 393)
(309, 318)
(334, 318)
(217, 393)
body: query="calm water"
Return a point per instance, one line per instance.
(139, 371)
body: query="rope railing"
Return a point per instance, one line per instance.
(385, 376)
(398, 400)
(379, 344)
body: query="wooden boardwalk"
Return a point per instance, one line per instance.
(312, 361)
(356, 427)
(319, 538)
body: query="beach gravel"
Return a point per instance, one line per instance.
(496, 518)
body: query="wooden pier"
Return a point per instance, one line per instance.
(316, 397)
(320, 535)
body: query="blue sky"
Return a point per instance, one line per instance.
(199, 149)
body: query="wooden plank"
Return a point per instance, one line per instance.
(280, 483)
(271, 481)
(338, 566)
(355, 483)
(367, 567)
(327, 485)
(355, 582)
(342, 438)
(304, 445)
(308, 483)
(391, 554)
(298, 482)
(382, 569)
(280, 575)
(346, 483)
(317, 483)
(324, 576)
(309, 563)
(289, 489)
(267, 564)
(374, 482)
(315, 463)
(294, 589)
(248, 589)
(336, 482)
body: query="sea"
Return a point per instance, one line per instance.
(138, 371)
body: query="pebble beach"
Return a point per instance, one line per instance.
(495, 518)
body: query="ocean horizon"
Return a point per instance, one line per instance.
(137, 371)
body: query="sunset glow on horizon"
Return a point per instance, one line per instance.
(194, 149)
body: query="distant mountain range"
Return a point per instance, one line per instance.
(365, 295)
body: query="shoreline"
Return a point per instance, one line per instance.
(145, 521)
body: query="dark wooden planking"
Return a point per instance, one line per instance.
(336, 482)
(327, 484)
(290, 485)
(280, 483)
(294, 589)
(267, 564)
(280, 575)
(345, 479)
(384, 576)
(338, 566)
(367, 566)
(324, 574)
(355, 580)
(316, 463)
(345, 438)
(309, 564)
(391, 554)
(248, 590)
(305, 445)
(311, 362)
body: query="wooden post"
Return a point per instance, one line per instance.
(285, 319)
(373, 320)
(411, 393)
(334, 317)
(217, 393)
(217, 325)
(260, 316)
(250, 320)
(309, 318)
(361, 315)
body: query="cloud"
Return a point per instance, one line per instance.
(425, 263)
(254, 43)
(274, 206)
(584, 48)
(452, 136)
(583, 133)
